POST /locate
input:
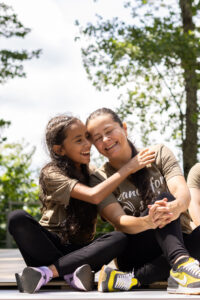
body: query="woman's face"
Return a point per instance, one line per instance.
(76, 145)
(108, 136)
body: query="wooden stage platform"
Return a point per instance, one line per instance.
(12, 262)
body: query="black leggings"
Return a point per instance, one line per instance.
(39, 247)
(152, 253)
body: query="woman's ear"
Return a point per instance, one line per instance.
(57, 149)
(125, 128)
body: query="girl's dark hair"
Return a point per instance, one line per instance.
(141, 179)
(80, 215)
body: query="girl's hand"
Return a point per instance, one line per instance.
(142, 159)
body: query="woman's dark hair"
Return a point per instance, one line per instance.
(80, 215)
(141, 179)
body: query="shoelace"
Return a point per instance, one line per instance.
(193, 268)
(123, 281)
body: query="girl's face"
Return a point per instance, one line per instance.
(108, 136)
(76, 145)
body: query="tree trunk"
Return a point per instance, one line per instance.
(190, 147)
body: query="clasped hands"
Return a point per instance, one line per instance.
(161, 213)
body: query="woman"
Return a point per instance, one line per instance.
(156, 242)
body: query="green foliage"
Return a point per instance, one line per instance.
(18, 189)
(155, 58)
(3, 124)
(11, 61)
(103, 227)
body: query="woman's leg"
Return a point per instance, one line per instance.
(144, 256)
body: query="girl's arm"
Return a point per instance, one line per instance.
(97, 193)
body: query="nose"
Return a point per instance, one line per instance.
(105, 138)
(88, 143)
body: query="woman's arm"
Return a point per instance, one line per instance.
(97, 193)
(179, 189)
(194, 207)
(115, 215)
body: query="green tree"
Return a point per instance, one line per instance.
(3, 124)
(17, 184)
(156, 57)
(11, 62)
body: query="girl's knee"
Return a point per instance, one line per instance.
(16, 218)
(118, 236)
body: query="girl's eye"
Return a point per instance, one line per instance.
(78, 141)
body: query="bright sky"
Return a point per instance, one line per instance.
(56, 82)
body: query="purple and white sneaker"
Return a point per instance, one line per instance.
(32, 279)
(82, 278)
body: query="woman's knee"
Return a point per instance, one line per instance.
(16, 219)
(167, 195)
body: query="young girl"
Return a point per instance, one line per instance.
(156, 243)
(61, 244)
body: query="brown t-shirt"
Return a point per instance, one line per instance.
(56, 199)
(193, 179)
(127, 194)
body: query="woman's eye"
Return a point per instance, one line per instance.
(109, 131)
(97, 139)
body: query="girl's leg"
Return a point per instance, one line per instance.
(101, 251)
(37, 245)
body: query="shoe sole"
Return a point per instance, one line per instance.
(85, 275)
(102, 282)
(28, 281)
(184, 290)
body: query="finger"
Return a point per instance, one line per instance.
(146, 156)
(163, 217)
(143, 151)
(161, 202)
(162, 209)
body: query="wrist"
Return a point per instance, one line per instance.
(147, 223)
(129, 169)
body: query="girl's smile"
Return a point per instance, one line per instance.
(76, 145)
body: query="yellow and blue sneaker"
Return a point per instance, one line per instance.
(111, 280)
(185, 277)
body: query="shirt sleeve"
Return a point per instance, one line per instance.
(167, 162)
(58, 186)
(95, 179)
(193, 179)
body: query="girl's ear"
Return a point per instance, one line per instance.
(125, 128)
(57, 149)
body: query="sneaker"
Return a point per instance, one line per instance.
(82, 278)
(185, 277)
(32, 279)
(112, 280)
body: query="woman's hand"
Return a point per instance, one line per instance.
(142, 159)
(160, 213)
